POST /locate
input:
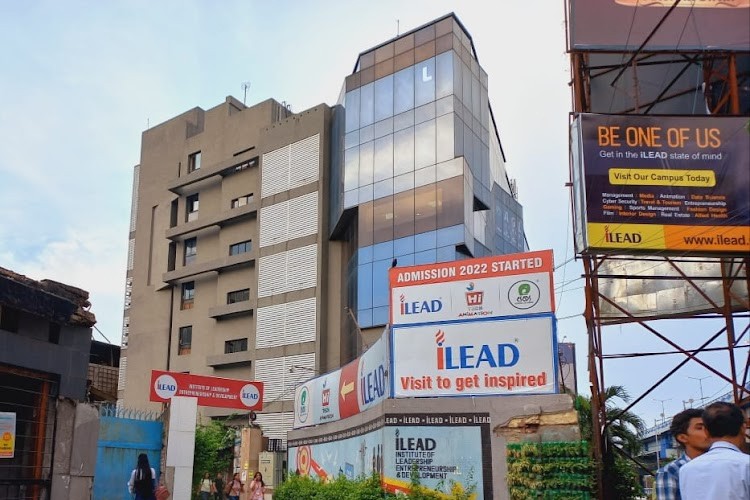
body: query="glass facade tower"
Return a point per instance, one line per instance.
(420, 176)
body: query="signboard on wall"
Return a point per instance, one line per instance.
(476, 358)
(445, 448)
(503, 285)
(210, 391)
(661, 183)
(352, 389)
(7, 434)
(624, 25)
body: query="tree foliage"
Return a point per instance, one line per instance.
(620, 476)
(214, 443)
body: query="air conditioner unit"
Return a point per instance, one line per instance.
(271, 464)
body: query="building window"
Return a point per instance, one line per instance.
(191, 250)
(238, 296)
(236, 345)
(9, 319)
(241, 247)
(185, 340)
(191, 207)
(242, 200)
(188, 294)
(194, 161)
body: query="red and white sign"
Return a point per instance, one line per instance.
(211, 391)
(489, 287)
(475, 358)
(352, 389)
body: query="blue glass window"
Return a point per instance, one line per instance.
(366, 104)
(403, 96)
(424, 82)
(384, 98)
(364, 286)
(352, 110)
(426, 257)
(380, 316)
(384, 158)
(365, 163)
(380, 282)
(425, 241)
(444, 74)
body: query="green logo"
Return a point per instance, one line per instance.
(524, 289)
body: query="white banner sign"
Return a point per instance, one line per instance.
(473, 358)
(352, 389)
(475, 299)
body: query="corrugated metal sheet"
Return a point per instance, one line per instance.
(302, 266)
(291, 166)
(274, 172)
(281, 376)
(276, 425)
(131, 253)
(121, 375)
(282, 272)
(303, 215)
(134, 198)
(272, 274)
(274, 224)
(287, 323)
(305, 159)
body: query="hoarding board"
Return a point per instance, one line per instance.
(445, 448)
(354, 388)
(662, 183)
(475, 358)
(210, 391)
(503, 285)
(624, 25)
(7, 434)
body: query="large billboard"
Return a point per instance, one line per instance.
(354, 388)
(625, 25)
(446, 449)
(661, 183)
(209, 391)
(475, 358)
(488, 287)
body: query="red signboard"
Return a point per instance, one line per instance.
(210, 391)
(348, 398)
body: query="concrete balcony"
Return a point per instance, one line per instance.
(211, 267)
(212, 174)
(211, 223)
(227, 311)
(243, 358)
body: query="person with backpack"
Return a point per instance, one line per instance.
(235, 487)
(142, 481)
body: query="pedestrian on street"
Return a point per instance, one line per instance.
(257, 487)
(206, 487)
(236, 487)
(142, 481)
(219, 486)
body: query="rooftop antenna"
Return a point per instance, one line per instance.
(398, 31)
(245, 86)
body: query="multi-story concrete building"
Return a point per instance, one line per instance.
(260, 239)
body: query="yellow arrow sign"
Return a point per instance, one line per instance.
(346, 389)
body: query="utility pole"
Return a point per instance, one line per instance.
(700, 383)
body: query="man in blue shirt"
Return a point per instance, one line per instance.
(723, 472)
(690, 434)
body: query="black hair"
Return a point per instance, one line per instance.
(723, 419)
(681, 422)
(144, 482)
(261, 478)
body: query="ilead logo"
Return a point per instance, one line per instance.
(613, 237)
(165, 386)
(523, 294)
(474, 356)
(249, 395)
(418, 307)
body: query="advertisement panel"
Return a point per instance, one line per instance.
(624, 25)
(352, 389)
(656, 183)
(447, 450)
(7, 434)
(353, 457)
(210, 391)
(475, 358)
(503, 285)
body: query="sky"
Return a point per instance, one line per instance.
(82, 80)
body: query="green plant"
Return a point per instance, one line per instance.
(214, 444)
(554, 470)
